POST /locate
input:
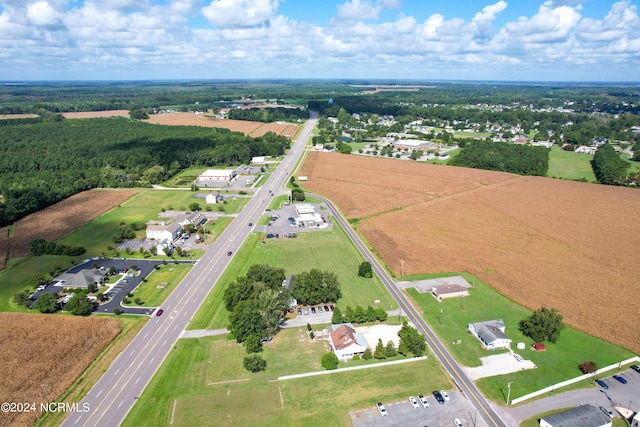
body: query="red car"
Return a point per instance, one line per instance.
(159, 312)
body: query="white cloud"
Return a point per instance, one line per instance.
(622, 21)
(490, 12)
(42, 13)
(357, 10)
(239, 13)
(548, 25)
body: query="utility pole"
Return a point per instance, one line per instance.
(509, 392)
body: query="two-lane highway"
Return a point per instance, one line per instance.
(446, 359)
(112, 397)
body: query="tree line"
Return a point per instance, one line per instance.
(42, 163)
(268, 115)
(505, 157)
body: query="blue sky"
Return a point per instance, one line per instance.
(514, 40)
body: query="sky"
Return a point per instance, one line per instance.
(515, 40)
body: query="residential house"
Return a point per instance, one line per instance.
(163, 230)
(580, 416)
(195, 218)
(491, 334)
(213, 198)
(449, 291)
(346, 342)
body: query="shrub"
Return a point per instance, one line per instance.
(588, 367)
(367, 354)
(117, 311)
(254, 363)
(329, 361)
(356, 357)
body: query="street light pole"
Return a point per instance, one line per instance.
(509, 392)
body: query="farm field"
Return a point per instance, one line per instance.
(46, 349)
(558, 363)
(570, 165)
(253, 129)
(538, 241)
(325, 250)
(94, 114)
(203, 379)
(58, 220)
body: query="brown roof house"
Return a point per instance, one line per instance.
(449, 291)
(346, 342)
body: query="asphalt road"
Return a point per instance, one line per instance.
(112, 397)
(464, 384)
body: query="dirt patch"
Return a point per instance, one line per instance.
(253, 129)
(538, 241)
(59, 219)
(95, 114)
(18, 116)
(42, 355)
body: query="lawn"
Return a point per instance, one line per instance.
(325, 250)
(185, 389)
(150, 294)
(570, 165)
(558, 363)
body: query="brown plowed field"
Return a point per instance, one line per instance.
(94, 114)
(46, 349)
(541, 242)
(58, 220)
(253, 129)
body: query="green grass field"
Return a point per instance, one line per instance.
(570, 165)
(325, 250)
(148, 292)
(558, 363)
(202, 382)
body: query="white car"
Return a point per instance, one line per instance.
(444, 394)
(413, 402)
(423, 400)
(381, 409)
(457, 423)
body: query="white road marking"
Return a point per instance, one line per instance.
(145, 335)
(165, 342)
(121, 403)
(98, 395)
(116, 373)
(137, 380)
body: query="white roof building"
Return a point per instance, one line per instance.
(163, 230)
(217, 175)
(491, 334)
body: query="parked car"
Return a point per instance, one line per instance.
(608, 412)
(444, 394)
(326, 308)
(306, 311)
(457, 422)
(635, 368)
(602, 384)
(413, 402)
(438, 397)
(159, 312)
(229, 253)
(319, 309)
(250, 224)
(313, 310)
(299, 312)
(423, 400)
(620, 379)
(331, 307)
(381, 409)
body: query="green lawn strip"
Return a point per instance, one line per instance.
(558, 363)
(22, 276)
(325, 250)
(570, 165)
(189, 374)
(150, 294)
(233, 205)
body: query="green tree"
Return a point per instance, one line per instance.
(336, 317)
(367, 354)
(46, 303)
(22, 298)
(194, 206)
(608, 167)
(365, 270)
(254, 363)
(117, 311)
(348, 315)
(329, 361)
(359, 315)
(245, 320)
(390, 349)
(543, 324)
(402, 348)
(79, 306)
(380, 352)
(316, 287)
(412, 339)
(381, 314)
(252, 344)
(371, 315)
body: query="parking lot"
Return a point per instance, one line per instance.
(402, 413)
(282, 226)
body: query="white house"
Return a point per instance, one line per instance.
(580, 416)
(163, 230)
(213, 198)
(258, 160)
(490, 334)
(346, 342)
(586, 150)
(195, 218)
(217, 175)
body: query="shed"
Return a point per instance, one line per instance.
(538, 346)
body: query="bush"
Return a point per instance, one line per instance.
(329, 361)
(254, 363)
(117, 311)
(356, 357)
(588, 367)
(367, 354)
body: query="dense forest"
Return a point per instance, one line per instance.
(43, 163)
(505, 157)
(268, 115)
